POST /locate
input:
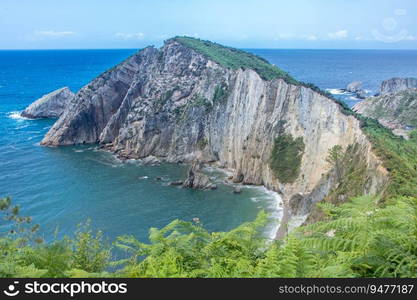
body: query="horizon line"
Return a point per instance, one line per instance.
(245, 48)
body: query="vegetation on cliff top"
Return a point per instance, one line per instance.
(235, 59)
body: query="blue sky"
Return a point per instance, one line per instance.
(68, 24)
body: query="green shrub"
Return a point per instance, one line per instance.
(286, 157)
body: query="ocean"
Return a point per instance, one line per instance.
(62, 187)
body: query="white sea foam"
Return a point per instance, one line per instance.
(336, 91)
(16, 115)
(272, 199)
(274, 208)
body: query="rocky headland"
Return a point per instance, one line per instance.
(396, 111)
(395, 85)
(199, 102)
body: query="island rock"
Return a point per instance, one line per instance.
(51, 105)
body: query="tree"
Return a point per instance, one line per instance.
(335, 159)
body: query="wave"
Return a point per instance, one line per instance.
(16, 115)
(336, 91)
(274, 208)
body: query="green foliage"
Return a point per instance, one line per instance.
(220, 93)
(89, 254)
(182, 249)
(413, 136)
(235, 59)
(359, 238)
(365, 239)
(286, 157)
(335, 160)
(22, 254)
(399, 157)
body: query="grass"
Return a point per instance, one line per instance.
(235, 59)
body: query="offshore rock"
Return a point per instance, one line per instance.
(197, 179)
(51, 105)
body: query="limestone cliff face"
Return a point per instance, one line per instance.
(176, 104)
(51, 105)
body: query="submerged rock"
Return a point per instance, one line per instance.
(197, 179)
(237, 190)
(176, 183)
(51, 105)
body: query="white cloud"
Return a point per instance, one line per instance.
(53, 33)
(400, 12)
(338, 35)
(410, 38)
(311, 38)
(283, 36)
(130, 36)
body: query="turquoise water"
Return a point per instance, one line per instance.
(62, 187)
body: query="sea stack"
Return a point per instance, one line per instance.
(51, 105)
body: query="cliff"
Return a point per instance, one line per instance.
(51, 105)
(395, 85)
(397, 111)
(193, 101)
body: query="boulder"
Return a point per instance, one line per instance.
(176, 183)
(51, 105)
(197, 179)
(237, 190)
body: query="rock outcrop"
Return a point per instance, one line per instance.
(181, 103)
(196, 179)
(395, 85)
(51, 105)
(356, 88)
(396, 111)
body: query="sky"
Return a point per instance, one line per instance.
(310, 24)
